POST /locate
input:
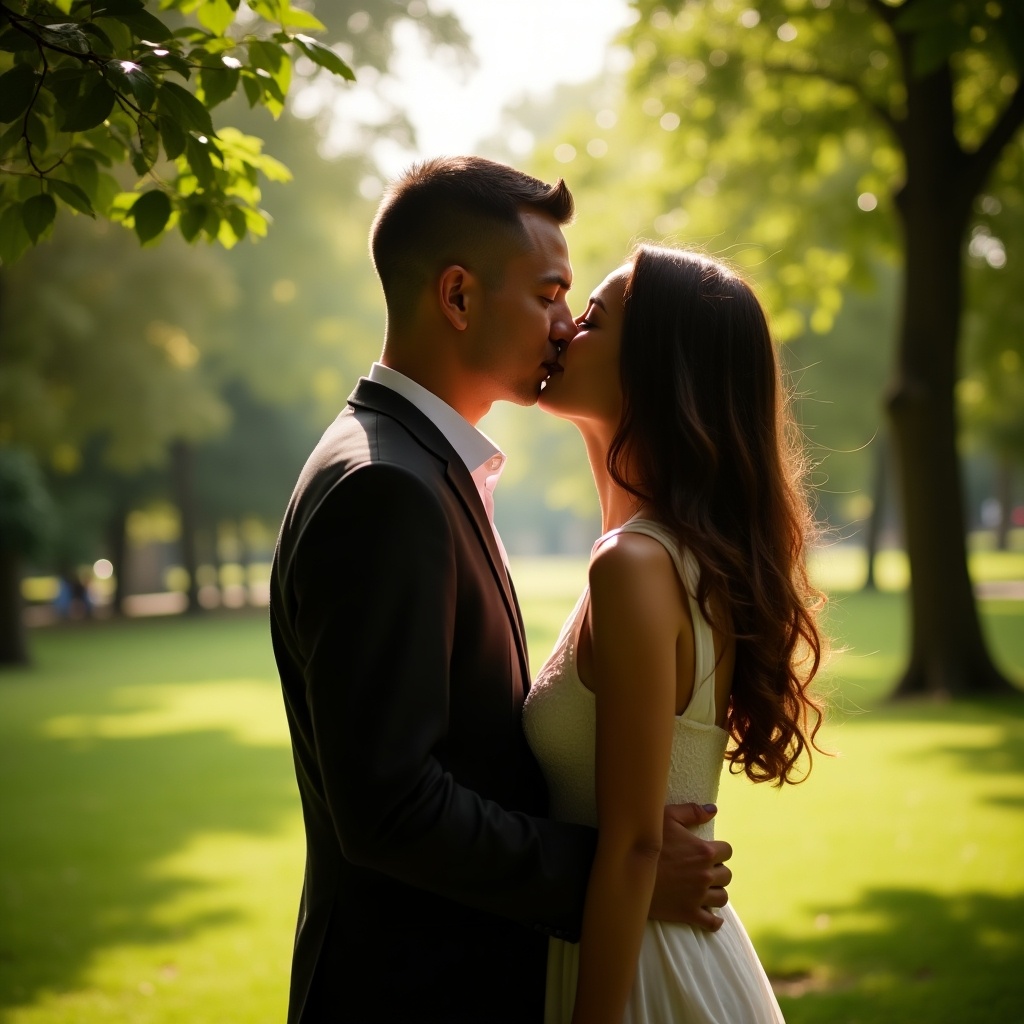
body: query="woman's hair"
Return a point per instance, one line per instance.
(707, 443)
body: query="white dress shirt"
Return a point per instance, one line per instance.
(484, 460)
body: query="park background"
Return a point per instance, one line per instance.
(156, 404)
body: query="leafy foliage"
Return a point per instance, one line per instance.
(26, 510)
(88, 87)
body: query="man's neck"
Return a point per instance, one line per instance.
(440, 380)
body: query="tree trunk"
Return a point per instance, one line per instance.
(1004, 495)
(117, 545)
(948, 654)
(182, 468)
(877, 518)
(13, 635)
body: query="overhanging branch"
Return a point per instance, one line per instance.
(892, 123)
(979, 164)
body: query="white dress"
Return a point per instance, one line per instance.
(684, 974)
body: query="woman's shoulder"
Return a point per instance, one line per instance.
(627, 561)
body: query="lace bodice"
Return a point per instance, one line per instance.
(559, 717)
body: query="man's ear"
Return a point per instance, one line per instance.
(457, 289)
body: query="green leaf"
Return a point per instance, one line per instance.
(146, 147)
(37, 215)
(106, 44)
(67, 35)
(295, 17)
(146, 26)
(166, 62)
(84, 173)
(178, 103)
(17, 88)
(253, 89)
(211, 226)
(65, 84)
(92, 109)
(236, 218)
(107, 189)
(218, 84)
(199, 160)
(119, 8)
(14, 239)
(13, 40)
(268, 56)
(324, 56)
(10, 138)
(71, 194)
(128, 77)
(173, 136)
(120, 35)
(151, 211)
(35, 129)
(192, 219)
(216, 15)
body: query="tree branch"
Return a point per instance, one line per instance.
(885, 12)
(979, 164)
(892, 123)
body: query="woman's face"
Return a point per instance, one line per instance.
(588, 388)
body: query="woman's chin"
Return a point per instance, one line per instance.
(548, 400)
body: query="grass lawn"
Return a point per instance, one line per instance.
(151, 843)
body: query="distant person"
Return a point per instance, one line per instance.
(74, 597)
(433, 876)
(697, 629)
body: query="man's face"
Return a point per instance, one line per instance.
(526, 317)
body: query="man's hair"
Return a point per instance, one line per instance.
(461, 210)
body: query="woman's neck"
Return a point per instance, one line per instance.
(617, 504)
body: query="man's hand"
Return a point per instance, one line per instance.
(691, 874)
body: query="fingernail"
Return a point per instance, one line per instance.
(711, 808)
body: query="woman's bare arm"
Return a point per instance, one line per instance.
(636, 615)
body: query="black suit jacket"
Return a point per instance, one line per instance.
(432, 878)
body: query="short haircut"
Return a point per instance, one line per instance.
(461, 210)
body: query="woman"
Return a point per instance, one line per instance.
(697, 628)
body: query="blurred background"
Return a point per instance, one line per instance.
(158, 402)
(168, 396)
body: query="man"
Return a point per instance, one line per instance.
(432, 876)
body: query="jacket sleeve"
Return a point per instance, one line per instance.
(373, 581)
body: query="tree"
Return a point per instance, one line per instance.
(87, 86)
(25, 519)
(825, 135)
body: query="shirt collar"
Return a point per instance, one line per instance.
(475, 449)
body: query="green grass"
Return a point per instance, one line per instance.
(151, 842)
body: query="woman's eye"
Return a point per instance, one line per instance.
(584, 324)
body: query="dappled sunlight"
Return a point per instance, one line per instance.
(249, 710)
(908, 953)
(153, 847)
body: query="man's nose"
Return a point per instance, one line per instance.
(563, 327)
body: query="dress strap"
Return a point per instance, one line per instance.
(701, 707)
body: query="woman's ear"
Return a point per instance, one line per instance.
(456, 291)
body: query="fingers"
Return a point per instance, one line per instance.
(689, 815)
(720, 851)
(720, 876)
(716, 896)
(707, 920)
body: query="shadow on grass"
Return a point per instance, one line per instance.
(103, 814)
(904, 956)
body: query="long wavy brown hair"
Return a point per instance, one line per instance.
(707, 443)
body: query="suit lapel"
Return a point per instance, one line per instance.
(382, 399)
